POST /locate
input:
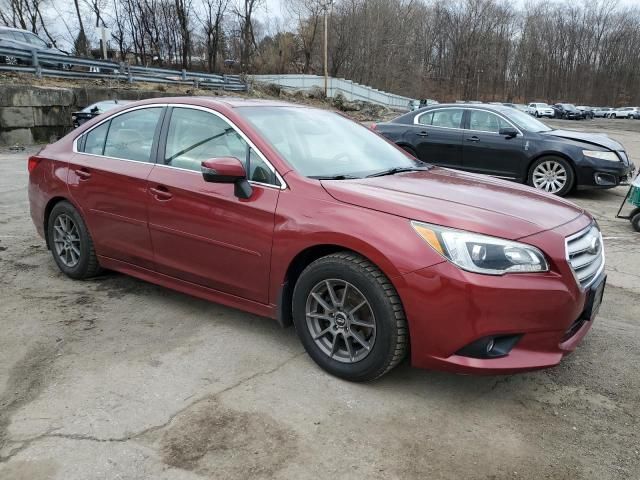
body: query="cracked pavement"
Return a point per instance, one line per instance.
(117, 378)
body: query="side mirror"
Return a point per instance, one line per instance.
(227, 170)
(508, 132)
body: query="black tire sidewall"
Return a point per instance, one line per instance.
(571, 176)
(82, 267)
(386, 335)
(635, 219)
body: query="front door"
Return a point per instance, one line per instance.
(438, 137)
(486, 151)
(108, 180)
(201, 232)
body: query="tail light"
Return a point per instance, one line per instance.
(33, 163)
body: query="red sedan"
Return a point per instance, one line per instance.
(304, 216)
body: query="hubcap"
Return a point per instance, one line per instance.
(340, 320)
(66, 240)
(550, 176)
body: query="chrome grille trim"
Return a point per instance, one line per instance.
(585, 264)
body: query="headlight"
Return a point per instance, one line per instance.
(480, 253)
(610, 156)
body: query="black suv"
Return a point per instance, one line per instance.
(568, 111)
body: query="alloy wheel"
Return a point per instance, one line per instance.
(340, 320)
(550, 176)
(66, 240)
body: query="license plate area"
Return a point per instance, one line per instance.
(594, 300)
(591, 308)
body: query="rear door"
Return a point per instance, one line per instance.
(486, 151)
(108, 180)
(437, 136)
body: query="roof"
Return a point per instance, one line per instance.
(487, 106)
(234, 102)
(12, 29)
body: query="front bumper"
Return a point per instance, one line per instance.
(595, 173)
(448, 309)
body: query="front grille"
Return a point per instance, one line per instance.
(585, 254)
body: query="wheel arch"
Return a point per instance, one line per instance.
(47, 212)
(297, 265)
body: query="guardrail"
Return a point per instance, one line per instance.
(46, 64)
(348, 88)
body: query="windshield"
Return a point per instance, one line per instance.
(569, 106)
(542, 104)
(525, 121)
(323, 144)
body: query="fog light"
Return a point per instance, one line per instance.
(490, 347)
(605, 179)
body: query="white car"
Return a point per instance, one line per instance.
(540, 110)
(626, 112)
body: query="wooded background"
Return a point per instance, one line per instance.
(585, 52)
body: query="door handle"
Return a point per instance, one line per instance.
(161, 193)
(423, 134)
(473, 139)
(83, 174)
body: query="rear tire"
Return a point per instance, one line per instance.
(70, 242)
(357, 343)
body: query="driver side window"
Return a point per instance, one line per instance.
(195, 135)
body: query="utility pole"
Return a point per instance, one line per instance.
(478, 73)
(326, 5)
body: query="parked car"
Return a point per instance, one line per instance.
(541, 110)
(93, 110)
(23, 39)
(587, 112)
(286, 211)
(602, 112)
(507, 143)
(626, 112)
(567, 111)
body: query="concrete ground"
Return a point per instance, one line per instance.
(117, 378)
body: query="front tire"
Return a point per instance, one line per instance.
(349, 317)
(70, 242)
(552, 175)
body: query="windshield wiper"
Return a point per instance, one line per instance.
(394, 170)
(334, 177)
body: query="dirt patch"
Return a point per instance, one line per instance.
(212, 439)
(27, 379)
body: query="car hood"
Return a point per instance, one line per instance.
(599, 139)
(458, 200)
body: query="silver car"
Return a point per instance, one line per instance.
(602, 112)
(25, 40)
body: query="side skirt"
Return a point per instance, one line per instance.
(189, 288)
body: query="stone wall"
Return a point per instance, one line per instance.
(30, 114)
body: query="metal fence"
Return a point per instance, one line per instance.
(45, 64)
(350, 90)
